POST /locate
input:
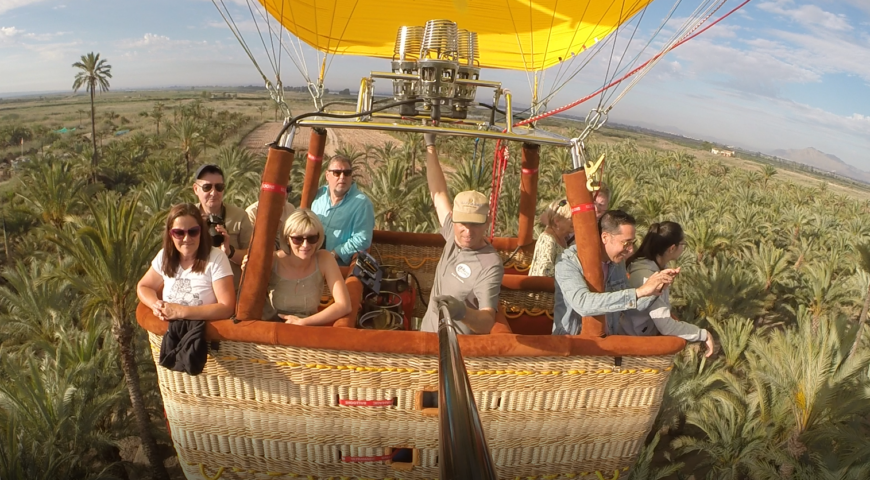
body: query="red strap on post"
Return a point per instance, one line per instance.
(273, 187)
(583, 207)
(312, 158)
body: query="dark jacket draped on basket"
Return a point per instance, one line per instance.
(184, 348)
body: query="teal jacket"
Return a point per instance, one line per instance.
(348, 225)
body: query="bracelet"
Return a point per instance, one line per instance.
(232, 252)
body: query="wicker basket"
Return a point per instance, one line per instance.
(267, 411)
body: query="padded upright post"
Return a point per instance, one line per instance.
(313, 166)
(528, 193)
(273, 196)
(588, 242)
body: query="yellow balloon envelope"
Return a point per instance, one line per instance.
(512, 34)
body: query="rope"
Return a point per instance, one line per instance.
(629, 74)
(499, 165)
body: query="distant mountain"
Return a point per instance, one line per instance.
(823, 161)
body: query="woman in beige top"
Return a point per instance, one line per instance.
(298, 277)
(553, 240)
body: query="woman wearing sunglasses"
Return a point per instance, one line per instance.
(188, 279)
(553, 240)
(298, 277)
(663, 243)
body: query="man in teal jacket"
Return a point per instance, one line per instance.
(347, 214)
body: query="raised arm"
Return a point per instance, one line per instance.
(436, 180)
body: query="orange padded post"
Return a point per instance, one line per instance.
(528, 193)
(273, 196)
(313, 166)
(588, 242)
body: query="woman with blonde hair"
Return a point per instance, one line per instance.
(298, 277)
(556, 219)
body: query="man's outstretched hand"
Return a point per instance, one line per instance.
(429, 139)
(455, 306)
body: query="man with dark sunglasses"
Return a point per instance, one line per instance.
(469, 273)
(209, 187)
(347, 214)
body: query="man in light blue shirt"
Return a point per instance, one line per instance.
(573, 299)
(347, 214)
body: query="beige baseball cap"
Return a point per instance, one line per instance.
(470, 207)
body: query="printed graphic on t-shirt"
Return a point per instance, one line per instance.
(463, 270)
(182, 293)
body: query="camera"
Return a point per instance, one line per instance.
(217, 238)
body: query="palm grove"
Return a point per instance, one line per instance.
(780, 272)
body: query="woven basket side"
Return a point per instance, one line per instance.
(279, 409)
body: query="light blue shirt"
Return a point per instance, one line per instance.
(572, 291)
(348, 225)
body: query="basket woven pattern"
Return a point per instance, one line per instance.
(263, 411)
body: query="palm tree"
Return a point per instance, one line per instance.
(111, 251)
(389, 191)
(53, 191)
(94, 74)
(643, 469)
(734, 439)
(821, 291)
(158, 196)
(864, 265)
(241, 174)
(705, 238)
(768, 171)
(811, 386)
(187, 131)
(33, 306)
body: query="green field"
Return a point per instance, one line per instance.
(776, 267)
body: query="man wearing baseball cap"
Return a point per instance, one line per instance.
(469, 273)
(229, 223)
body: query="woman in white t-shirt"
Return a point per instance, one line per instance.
(188, 279)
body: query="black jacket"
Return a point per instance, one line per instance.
(184, 348)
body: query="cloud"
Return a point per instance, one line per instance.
(9, 32)
(755, 70)
(7, 5)
(148, 40)
(863, 5)
(807, 15)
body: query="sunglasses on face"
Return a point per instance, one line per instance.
(178, 233)
(298, 239)
(206, 187)
(629, 244)
(339, 173)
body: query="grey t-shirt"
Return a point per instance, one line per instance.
(471, 275)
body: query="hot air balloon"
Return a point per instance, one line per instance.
(288, 401)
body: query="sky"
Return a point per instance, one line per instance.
(778, 74)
